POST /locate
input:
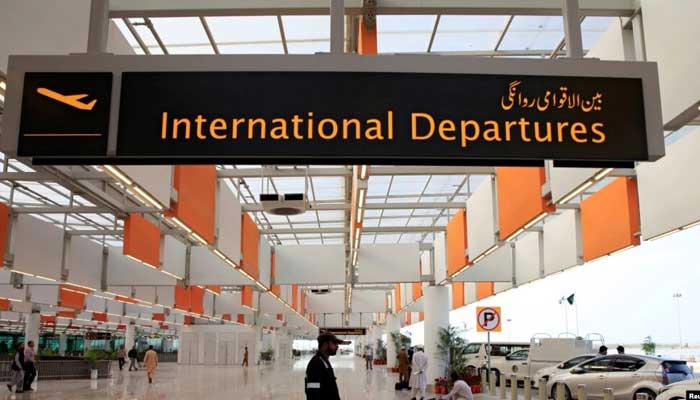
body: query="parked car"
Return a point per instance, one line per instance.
(627, 375)
(677, 391)
(543, 353)
(561, 368)
(476, 353)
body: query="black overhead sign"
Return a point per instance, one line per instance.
(335, 117)
(346, 331)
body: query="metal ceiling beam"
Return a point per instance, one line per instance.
(382, 229)
(77, 210)
(195, 8)
(369, 206)
(377, 170)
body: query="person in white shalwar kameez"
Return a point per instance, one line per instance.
(419, 377)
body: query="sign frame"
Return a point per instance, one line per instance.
(117, 64)
(480, 328)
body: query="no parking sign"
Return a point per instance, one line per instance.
(488, 319)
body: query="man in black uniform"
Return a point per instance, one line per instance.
(320, 380)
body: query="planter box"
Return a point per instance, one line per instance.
(63, 369)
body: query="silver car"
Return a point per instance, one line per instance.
(627, 375)
(561, 368)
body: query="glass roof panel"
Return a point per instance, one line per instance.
(592, 28)
(409, 184)
(183, 35)
(468, 32)
(307, 34)
(246, 35)
(404, 33)
(146, 35)
(528, 32)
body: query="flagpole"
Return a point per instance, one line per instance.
(576, 309)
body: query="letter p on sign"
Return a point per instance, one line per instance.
(488, 319)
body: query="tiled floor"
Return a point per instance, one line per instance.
(285, 380)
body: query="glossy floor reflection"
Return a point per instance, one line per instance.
(283, 380)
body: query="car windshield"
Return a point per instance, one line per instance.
(676, 367)
(574, 362)
(472, 348)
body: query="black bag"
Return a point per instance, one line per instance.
(401, 386)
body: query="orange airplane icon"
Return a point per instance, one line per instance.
(71, 100)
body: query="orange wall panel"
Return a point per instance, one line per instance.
(397, 297)
(226, 317)
(457, 242)
(484, 290)
(66, 314)
(197, 299)
(240, 318)
(100, 317)
(295, 297)
(417, 289)
(302, 303)
(275, 289)
(519, 197)
(610, 219)
(4, 305)
(214, 288)
(247, 296)
(158, 317)
(71, 299)
(366, 39)
(4, 223)
(408, 318)
(421, 316)
(182, 298)
(250, 237)
(189, 320)
(196, 198)
(142, 240)
(457, 295)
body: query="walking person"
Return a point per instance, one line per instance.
(17, 369)
(319, 382)
(133, 359)
(29, 366)
(369, 358)
(245, 357)
(121, 357)
(419, 378)
(150, 361)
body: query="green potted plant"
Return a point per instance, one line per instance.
(452, 350)
(91, 356)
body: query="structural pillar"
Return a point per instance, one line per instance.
(392, 326)
(437, 315)
(129, 337)
(62, 341)
(572, 29)
(31, 329)
(337, 12)
(99, 26)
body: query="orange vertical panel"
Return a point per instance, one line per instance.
(226, 317)
(100, 317)
(189, 320)
(250, 236)
(366, 38)
(484, 290)
(421, 316)
(295, 298)
(183, 299)
(158, 317)
(66, 314)
(610, 219)
(4, 305)
(47, 319)
(417, 289)
(71, 299)
(196, 299)
(519, 197)
(240, 318)
(4, 223)
(280, 317)
(408, 318)
(196, 198)
(457, 242)
(457, 295)
(275, 289)
(247, 296)
(302, 303)
(397, 297)
(142, 240)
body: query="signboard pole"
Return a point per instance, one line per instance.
(488, 354)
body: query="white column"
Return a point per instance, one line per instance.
(337, 13)
(392, 326)
(437, 315)
(99, 26)
(130, 337)
(31, 329)
(254, 354)
(62, 341)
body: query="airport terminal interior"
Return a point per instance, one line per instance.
(349, 199)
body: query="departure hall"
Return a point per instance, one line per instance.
(350, 199)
